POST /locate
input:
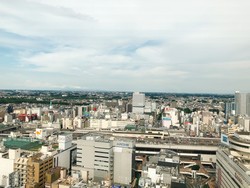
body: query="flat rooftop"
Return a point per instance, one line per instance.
(22, 143)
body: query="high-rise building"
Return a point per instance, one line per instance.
(230, 108)
(233, 161)
(138, 102)
(242, 103)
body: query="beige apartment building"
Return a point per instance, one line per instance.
(38, 165)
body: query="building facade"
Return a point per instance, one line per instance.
(38, 165)
(233, 161)
(138, 103)
(105, 159)
(242, 103)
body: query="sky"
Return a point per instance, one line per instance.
(194, 46)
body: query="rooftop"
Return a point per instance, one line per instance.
(22, 143)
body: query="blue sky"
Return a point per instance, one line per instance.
(125, 45)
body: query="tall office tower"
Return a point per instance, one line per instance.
(138, 102)
(230, 108)
(103, 158)
(232, 161)
(242, 103)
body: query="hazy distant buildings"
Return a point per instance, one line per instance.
(242, 103)
(138, 102)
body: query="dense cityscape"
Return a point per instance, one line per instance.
(123, 139)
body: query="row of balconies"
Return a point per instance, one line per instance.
(231, 161)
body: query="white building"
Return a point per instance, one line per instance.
(138, 103)
(233, 161)
(124, 156)
(148, 107)
(161, 171)
(8, 118)
(124, 116)
(95, 156)
(77, 123)
(242, 103)
(66, 153)
(244, 122)
(81, 110)
(67, 123)
(104, 124)
(170, 117)
(106, 159)
(41, 133)
(7, 159)
(207, 117)
(37, 111)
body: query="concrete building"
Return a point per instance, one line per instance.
(242, 103)
(108, 123)
(21, 167)
(162, 171)
(58, 178)
(244, 123)
(95, 155)
(170, 117)
(8, 118)
(124, 155)
(41, 133)
(81, 111)
(104, 158)
(138, 103)
(37, 167)
(67, 123)
(233, 161)
(77, 123)
(7, 159)
(37, 111)
(66, 153)
(207, 117)
(230, 108)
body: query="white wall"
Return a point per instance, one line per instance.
(63, 159)
(7, 167)
(210, 158)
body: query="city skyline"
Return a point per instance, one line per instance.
(163, 46)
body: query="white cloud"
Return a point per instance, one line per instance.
(130, 45)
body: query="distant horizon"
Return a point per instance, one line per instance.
(74, 90)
